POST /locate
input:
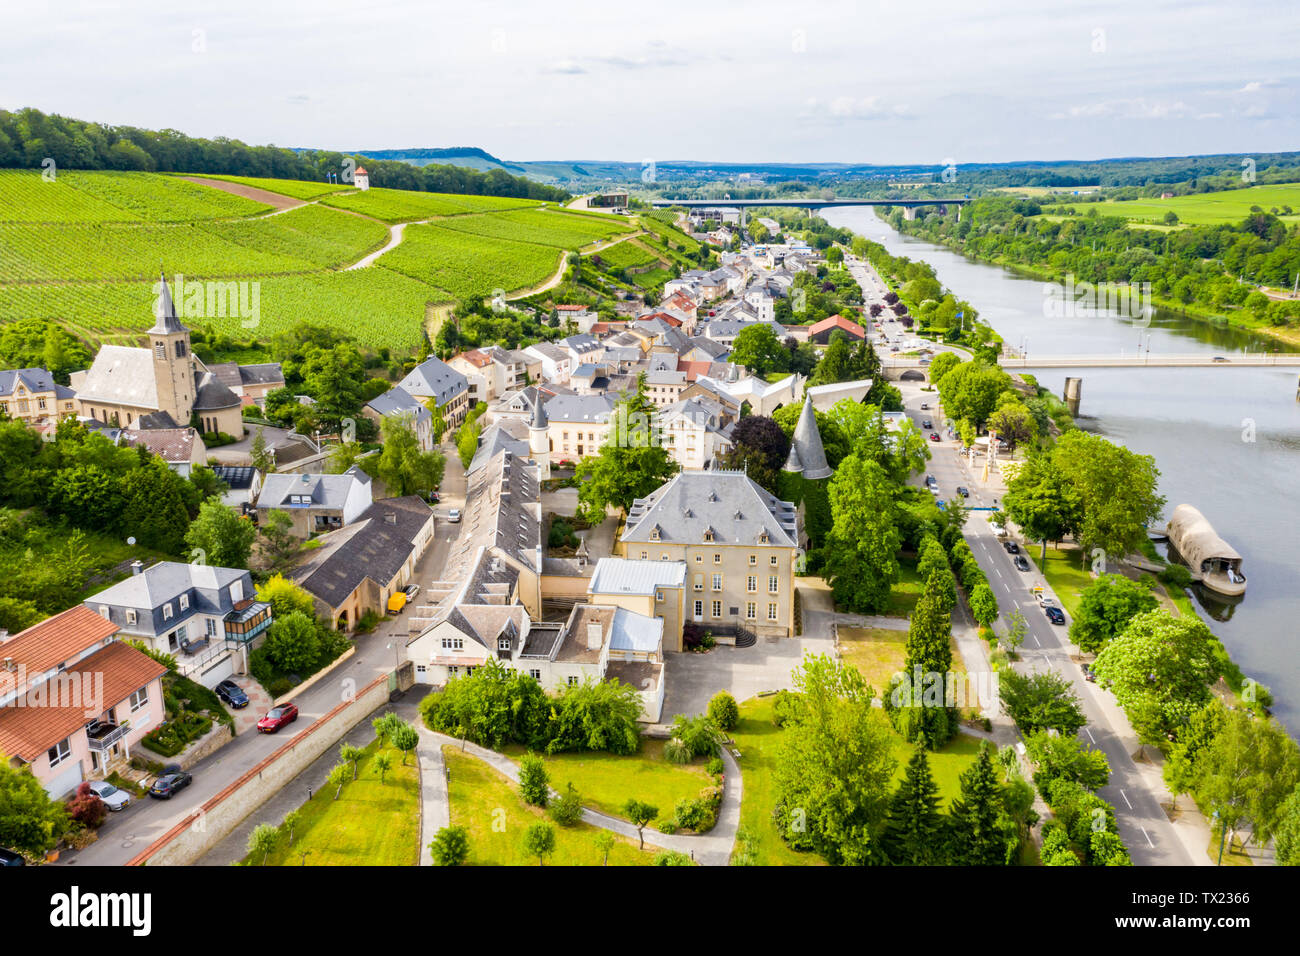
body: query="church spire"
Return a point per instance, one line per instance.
(166, 321)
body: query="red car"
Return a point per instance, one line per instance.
(934, 436)
(277, 717)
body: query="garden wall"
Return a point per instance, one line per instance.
(214, 820)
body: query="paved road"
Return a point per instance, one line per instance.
(126, 833)
(1136, 792)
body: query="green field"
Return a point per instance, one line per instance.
(1230, 206)
(86, 248)
(491, 809)
(669, 233)
(294, 188)
(401, 205)
(627, 255)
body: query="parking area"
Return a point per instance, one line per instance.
(744, 671)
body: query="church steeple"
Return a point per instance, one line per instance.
(166, 322)
(173, 365)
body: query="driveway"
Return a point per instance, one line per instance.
(744, 671)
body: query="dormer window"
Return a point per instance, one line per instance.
(654, 533)
(708, 534)
(130, 615)
(167, 611)
(503, 643)
(763, 537)
(185, 602)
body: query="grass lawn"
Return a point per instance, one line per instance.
(606, 781)
(1234, 853)
(875, 651)
(904, 595)
(370, 824)
(758, 739)
(485, 803)
(1066, 578)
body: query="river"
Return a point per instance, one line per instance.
(1225, 439)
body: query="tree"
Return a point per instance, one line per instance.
(539, 841)
(402, 466)
(1160, 668)
(1017, 629)
(1013, 424)
(1067, 757)
(293, 643)
(640, 815)
(983, 605)
(596, 715)
(534, 782)
(1116, 489)
(699, 734)
(567, 809)
(467, 442)
(339, 775)
(1040, 701)
(724, 711)
(915, 831)
(262, 841)
(1042, 502)
(835, 766)
(279, 543)
(224, 538)
(285, 597)
(405, 738)
(292, 819)
(153, 512)
(604, 841)
(941, 365)
(1105, 608)
(631, 463)
(384, 725)
(450, 846)
(30, 822)
(263, 457)
(759, 448)
(758, 349)
(1286, 839)
(86, 808)
(349, 753)
(382, 762)
(982, 832)
(861, 551)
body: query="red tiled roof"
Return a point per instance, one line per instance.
(29, 731)
(52, 642)
(475, 357)
(838, 321)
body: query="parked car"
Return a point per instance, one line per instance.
(278, 717)
(454, 515)
(232, 694)
(1220, 358)
(169, 784)
(930, 480)
(1011, 547)
(1021, 563)
(1045, 601)
(1054, 614)
(963, 491)
(411, 591)
(997, 528)
(114, 798)
(10, 858)
(925, 406)
(934, 436)
(1088, 675)
(927, 424)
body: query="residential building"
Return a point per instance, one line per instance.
(252, 383)
(207, 617)
(181, 448)
(653, 588)
(577, 424)
(31, 396)
(449, 389)
(696, 432)
(556, 361)
(664, 387)
(739, 543)
(398, 403)
(74, 700)
(316, 503)
(820, 332)
(360, 566)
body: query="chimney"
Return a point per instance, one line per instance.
(595, 635)
(390, 517)
(9, 665)
(137, 567)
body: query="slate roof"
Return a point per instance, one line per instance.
(35, 379)
(163, 582)
(398, 401)
(326, 491)
(121, 375)
(434, 378)
(165, 319)
(211, 395)
(580, 408)
(371, 547)
(728, 503)
(806, 452)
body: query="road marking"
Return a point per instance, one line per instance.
(1035, 637)
(1122, 793)
(1094, 741)
(1147, 835)
(999, 571)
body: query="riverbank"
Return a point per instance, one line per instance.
(1285, 335)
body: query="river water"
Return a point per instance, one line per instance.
(1225, 439)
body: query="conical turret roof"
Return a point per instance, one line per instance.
(539, 412)
(806, 448)
(166, 321)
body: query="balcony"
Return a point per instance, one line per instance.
(103, 734)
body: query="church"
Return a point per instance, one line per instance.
(162, 386)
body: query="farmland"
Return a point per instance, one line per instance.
(628, 255)
(86, 250)
(1230, 206)
(295, 188)
(400, 205)
(669, 233)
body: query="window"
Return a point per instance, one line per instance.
(160, 351)
(773, 583)
(772, 560)
(699, 609)
(699, 582)
(699, 559)
(139, 699)
(659, 596)
(751, 584)
(59, 752)
(130, 615)
(717, 582)
(453, 643)
(750, 610)
(753, 560)
(211, 627)
(771, 612)
(717, 558)
(185, 602)
(453, 670)
(573, 680)
(717, 609)
(167, 611)
(535, 674)
(644, 555)
(663, 557)
(503, 643)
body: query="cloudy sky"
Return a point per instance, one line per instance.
(885, 82)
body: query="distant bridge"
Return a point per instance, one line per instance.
(1247, 360)
(909, 205)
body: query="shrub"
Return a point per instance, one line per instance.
(714, 767)
(450, 846)
(533, 780)
(672, 858)
(567, 810)
(86, 808)
(1176, 576)
(786, 707)
(675, 751)
(699, 733)
(724, 711)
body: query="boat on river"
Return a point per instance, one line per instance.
(1214, 562)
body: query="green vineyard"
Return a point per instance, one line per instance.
(544, 227)
(102, 197)
(469, 265)
(401, 205)
(294, 188)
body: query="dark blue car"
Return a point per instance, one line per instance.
(232, 694)
(1055, 615)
